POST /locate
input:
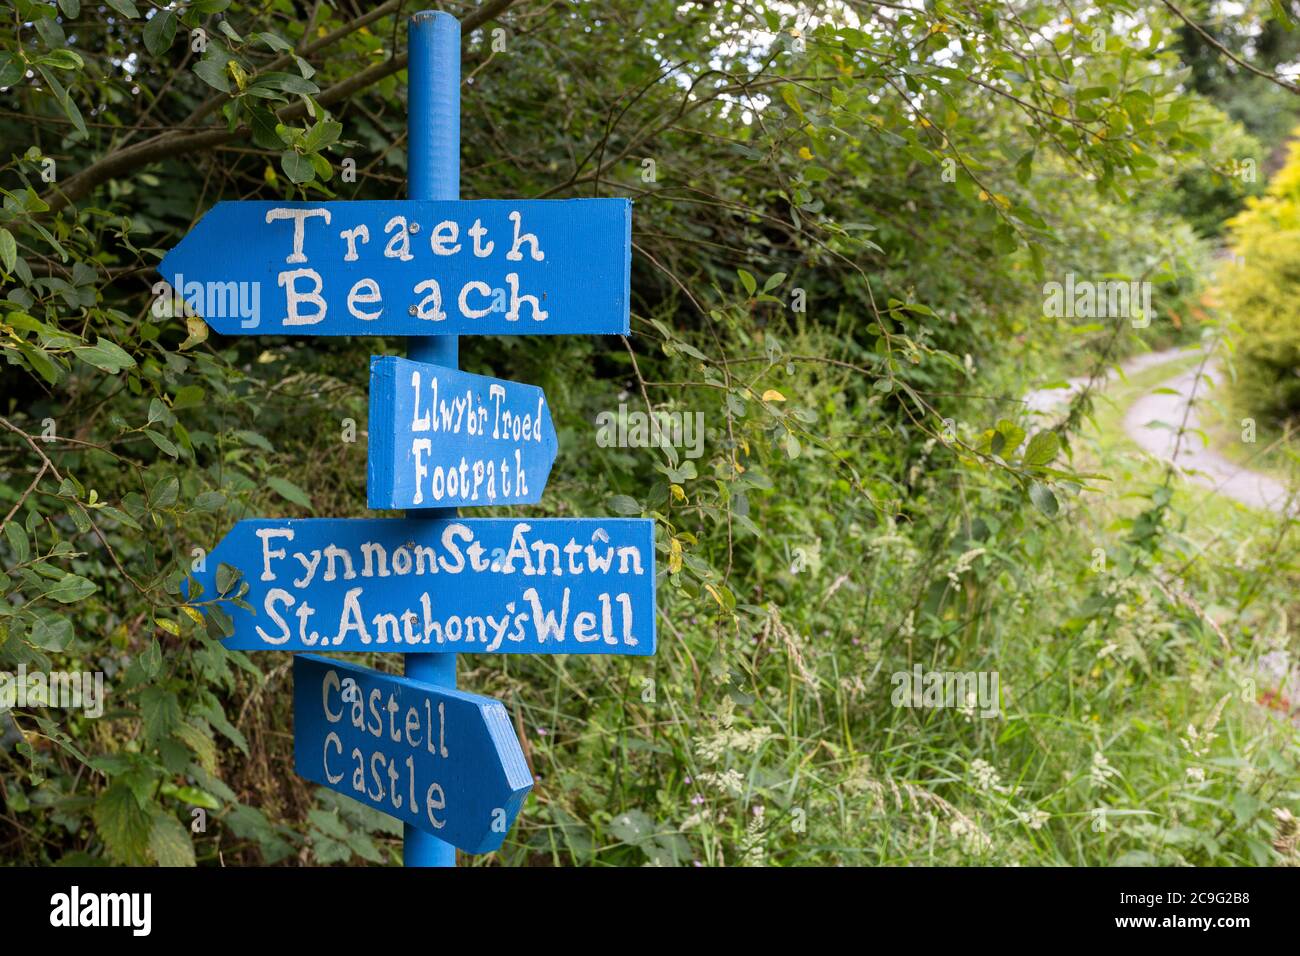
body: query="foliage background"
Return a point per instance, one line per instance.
(873, 493)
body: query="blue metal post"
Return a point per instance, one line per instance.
(433, 171)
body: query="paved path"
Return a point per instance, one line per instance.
(1201, 464)
(1046, 399)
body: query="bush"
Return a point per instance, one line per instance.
(840, 267)
(1261, 292)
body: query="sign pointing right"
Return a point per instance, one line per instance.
(445, 761)
(442, 438)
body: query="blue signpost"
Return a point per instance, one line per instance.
(443, 761)
(408, 267)
(419, 585)
(433, 164)
(439, 437)
(430, 585)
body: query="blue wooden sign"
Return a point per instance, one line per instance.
(446, 585)
(442, 760)
(408, 267)
(441, 438)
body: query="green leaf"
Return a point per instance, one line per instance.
(624, 505)
(1042, 448)
(212, 71)
(51, 32)
(188, 396)
(164, 492)
(73, 112)
(123, 824)
(159, 32)
(106, 355)
(217, 718)
(219, 623)
(8, 250)
(11, 70)
(124, 7)
(160, 712)
(165, 444)
(284, 83)
(297, 167)
(18, 541)
(632, 827)
(204, 747)
(322, 167)
(71, 588)
(276, 43)
(1007, 436)
(196, 797)
(253, 438)
(791, 100)
(1043, 499)
(151, 659)
(40, 362)
(169, 841)
(209, 501)
(118, 515)
(287, 489)
(64, 59)
(51, 632)
(747, 280)
(263, 124)
(227, 578)
(1025, 167)
(1244, 807)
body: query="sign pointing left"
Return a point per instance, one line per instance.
(408, 267)
(443, 585)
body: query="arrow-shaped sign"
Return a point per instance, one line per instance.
(408, 267)
(460, 585)
(442, 760)
(440, 438)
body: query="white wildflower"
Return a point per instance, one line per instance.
(986, 775)
(964, 563)
(1033, 818)
(973, 840)
(730, 782)
(1101, 770)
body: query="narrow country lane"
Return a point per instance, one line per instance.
(1154, 421)
(1146, 420)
